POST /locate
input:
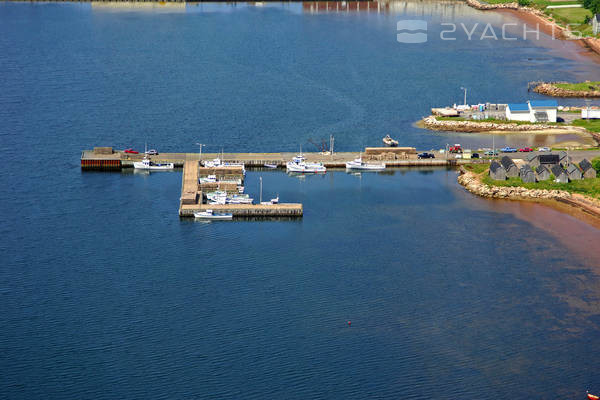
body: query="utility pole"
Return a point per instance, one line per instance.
(200, 145)
(260, 179)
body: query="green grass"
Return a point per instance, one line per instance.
(571, 15)
(582, 86)
(588, 187)
(476, 168)
(592, 125)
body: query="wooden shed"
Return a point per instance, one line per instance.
(542, 173)
(587, 170)
(574, 172)
(511, 168)
(560, 174)
(526, 173)
(533, 160)
(497, 171)
(564, 159)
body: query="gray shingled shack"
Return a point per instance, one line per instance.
(542, 173)
(560, 174)
(526, 173)
(497, 171)
(533, 160)
(511, 168)
(587, 169)
(574, 172)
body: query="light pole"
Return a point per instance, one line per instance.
(587, 108)
(200, 145)
(465, 89)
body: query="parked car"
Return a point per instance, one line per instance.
(525, 149)
(152, 152)
(508, 150)
(455, 149)
(475, 155)
(425, 155)
(131, 151)
(545, 149)
(491, 153)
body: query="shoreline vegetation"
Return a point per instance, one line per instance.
(457, 124)
(566, 89)
(581, 198)
(550, 18)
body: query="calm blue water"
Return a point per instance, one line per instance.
(106, 293)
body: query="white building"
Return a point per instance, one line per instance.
(593, 114)
(542, 110)
(517, 112)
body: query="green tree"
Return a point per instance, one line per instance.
(596, 164)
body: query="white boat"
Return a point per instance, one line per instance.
(304, 167)
(275, 200)
(217, 162)
(388, 141)
(239, 200)
(209, 214)
(208, 179)
(358, 164)
(271, 166)
(147, 164)
(240, 189)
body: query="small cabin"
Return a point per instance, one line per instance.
(543, 110)
(560, 174)
(497, 171)
(564, 158)
(509, 165)
(587, 170)
(517, 112)
(533, 160)
(574, 173)
(526, 173)
(542, 173)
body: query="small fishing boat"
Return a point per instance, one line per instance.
(208, 179)
(388, 141)
(275, 200)
(359, 164)
(147, 164)
(209, 214)
(299, 164)
(271, 166)
(592, 397)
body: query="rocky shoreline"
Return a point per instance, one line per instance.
(431, 122)
(472, 183)
(550, 89)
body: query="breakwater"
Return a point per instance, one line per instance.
(433, 123)
(550, 89)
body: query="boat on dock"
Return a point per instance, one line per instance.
(359, 165)
(210, 215)
(299, 165)
(389, 142)
(147, 164)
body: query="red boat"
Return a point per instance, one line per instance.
(592, 397)
(131, 151)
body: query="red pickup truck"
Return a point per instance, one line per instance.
(131, 151)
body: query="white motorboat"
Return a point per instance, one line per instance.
(271, 166)
(208, 179)
(359, 164)
(275, 200)
(148, 164)
(388, 141)
(304, 167)
(239, 200)
(209, 214)
(217, 162)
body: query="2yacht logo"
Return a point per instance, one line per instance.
(411, 31)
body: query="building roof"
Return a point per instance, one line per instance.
(526, 168)
(549, 158)
(572, 168)
(585, 165)
(531, 157)
(543, 104)
(542, 169)
(557, 170)
(495, 166)
(507, 162)
(516, 107)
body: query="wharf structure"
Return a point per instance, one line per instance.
(106, 158)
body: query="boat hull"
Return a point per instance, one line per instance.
(305, 169)
(213, 217)
(162, 167)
